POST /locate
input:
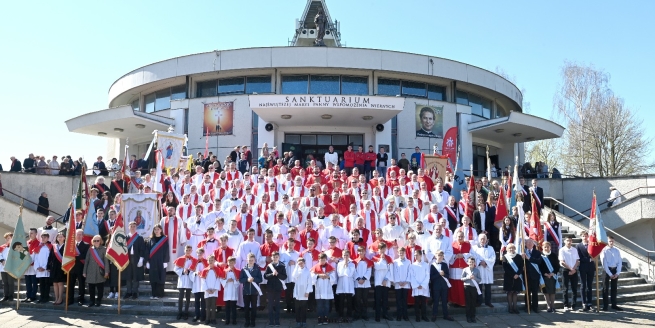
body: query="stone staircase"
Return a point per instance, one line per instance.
(631, 288)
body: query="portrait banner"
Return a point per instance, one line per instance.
(429, 121)
(218, 119)
(436, 165)
(171, 146)
(141, 209)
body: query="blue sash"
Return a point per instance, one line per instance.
(132, 240)
(541, 277)
(516, 269)
(96, 257)
(550, 268)
(157, 246)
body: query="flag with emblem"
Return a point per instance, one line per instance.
(18, 258)
(597, 234)
(68, 260)
(117, 247)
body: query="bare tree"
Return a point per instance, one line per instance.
(603, 137)
(548, 151)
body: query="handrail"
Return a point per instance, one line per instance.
(607, 201)
(608, 229)
(29, 201)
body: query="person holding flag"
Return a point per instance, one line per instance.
(587, 270)
(512, 277)
(17, 259)
(133, 273)
(8, 283)
(595, 243)
(534, 278)
(58, 275)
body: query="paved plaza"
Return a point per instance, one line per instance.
(634, 314)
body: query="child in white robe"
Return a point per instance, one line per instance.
(211, 284)
(230, 284)
(420, 280)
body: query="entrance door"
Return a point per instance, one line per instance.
(318, 144)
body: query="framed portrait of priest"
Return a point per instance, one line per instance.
(429, 121)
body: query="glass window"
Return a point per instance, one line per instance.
(292, 138)
(357, 140)
(295, 84)
(462, 97)
(149, 102)
(259, 84)
(476, 104)
(500, 111)
(324, 139)
(255, 121)
(354, 85)
(163, 100)
(388, 87)
(436, 92)
(135, 105)
(178, 92)
(308, 139)
(231, 85)
(324, 85)
(339, 139)
(486, 107)
(206, 89)
(413, 89)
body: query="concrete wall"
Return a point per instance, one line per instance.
(9, 215)
(30, 186)
(643, 233)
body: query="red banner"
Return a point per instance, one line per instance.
(449, 147)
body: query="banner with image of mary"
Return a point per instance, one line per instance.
(171, 146)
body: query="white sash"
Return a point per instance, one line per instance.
(259, 290)
(439, 269)
(477, 287)
(550, 268)
(516, 269)
(534, 192)
(270, 266)
(552, 232)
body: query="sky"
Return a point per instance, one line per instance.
(59, 58)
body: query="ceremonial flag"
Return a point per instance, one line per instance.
(68, 260)
(458, 179)
(126, 175)
(18, 257)
(501, 209)
(117, 247)
(422, 164)
(470, 204)
(488, 165)
(536, 233)
(597, 234)
(520, 236)
(141, 209)
(515, 179)
(158, 186)
(172, 147)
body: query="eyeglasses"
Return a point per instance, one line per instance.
(248, 189)
(96, 241)
(260, 178)
(312, 189)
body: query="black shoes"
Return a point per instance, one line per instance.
(91, 304)
(616, 308)
(179, 316)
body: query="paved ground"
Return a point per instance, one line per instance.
(635, 314)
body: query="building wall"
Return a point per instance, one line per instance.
(30, 186)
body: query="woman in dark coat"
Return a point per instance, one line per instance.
(57, 275)
(549, 272)
(158, 260)
(133, 273)
(95, 270)
(44, 204)
(512, 283)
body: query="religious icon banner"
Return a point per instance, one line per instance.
(218, 119)
(171, 146)
(142, 209)
(429, 121)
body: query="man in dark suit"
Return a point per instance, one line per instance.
(527, 204)
(100, 166)
(483, 220)
(534, 260)
(587, 271)
(118, 185)
(538, 194)
(76, 272)
(29, 164)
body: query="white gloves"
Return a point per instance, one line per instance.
(140, 264)
(148, 265)
(165, 265)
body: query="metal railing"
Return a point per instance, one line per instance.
(29, 201)
(625, 198)
(649, 255)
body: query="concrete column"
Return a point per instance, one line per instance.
(266, 136)
(465, 142)
(383, 138)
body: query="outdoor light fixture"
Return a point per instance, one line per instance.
(499, 130)
(285, 117)
(367, 118)
(140, 126)
(517, 134)
(529, 138)
(326, 116)
(102, 133)
(118, 129)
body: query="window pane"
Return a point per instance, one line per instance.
(413, 89)
(436, 92)
(500, 111)
(324, 139)
(324, 85)
(462, 98)
(354, 85)
(339, 140)
(388, 87)
(308, 139)
(149, 102)
(476, 105)
(255, 121)
(135, 105)
(292, 138)
(356, 141)
(486, 108)
(163, 100)
(178, 92)
(206, 89)
(295, 84)
(232, 85)
(259, 84)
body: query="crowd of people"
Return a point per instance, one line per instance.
(292, 235)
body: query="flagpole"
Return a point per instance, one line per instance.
(119, 291)
(597, 284)
(18, 295)
(525, 272)
(68, 283)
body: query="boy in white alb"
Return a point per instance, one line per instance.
(345, 286)
(302, 280)
(230, 284)
(211, 284)
(198, 293)
(401, 283)
(184, 268)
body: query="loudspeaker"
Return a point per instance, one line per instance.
(379, 127)
(268, 127)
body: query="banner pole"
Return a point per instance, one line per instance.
(597, 285)
(18, 291)
(119, 292)
(527, 287)
(68, 284)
